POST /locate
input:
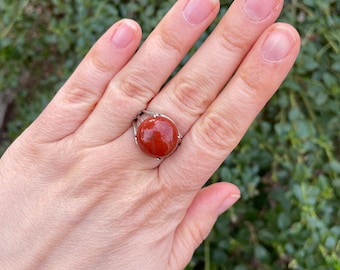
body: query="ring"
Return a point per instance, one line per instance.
(156, 134)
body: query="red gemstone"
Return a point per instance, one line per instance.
(158, 136)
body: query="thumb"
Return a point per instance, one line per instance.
(199, 219)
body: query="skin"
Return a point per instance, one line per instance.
(77, 193)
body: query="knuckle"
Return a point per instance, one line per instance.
(252, 80)
(235, 40)
(80, 95)
(218, 132)
(191, 96)
(170, 43)
(98, 63)
(135, 86)
(252, 88)
(199, 232)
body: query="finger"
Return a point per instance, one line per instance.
(221, 127)
(207, 72)
(199, 220)
(140, 80)
(80, 94)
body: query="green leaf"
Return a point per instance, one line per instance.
(260, 252)
(283, 220)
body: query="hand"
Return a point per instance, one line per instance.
(78, 193)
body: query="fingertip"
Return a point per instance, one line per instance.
(229, 188)
(216, 198)
(228, 202)
(116, 46)
(226, 195)
(125, 32)
(281, 41)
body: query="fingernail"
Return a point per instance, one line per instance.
(228, 202)
(258, 10)
(123, 35)
(196, 11)
(277, 45)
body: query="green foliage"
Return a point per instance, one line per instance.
(287, 166)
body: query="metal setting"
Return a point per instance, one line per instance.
(145, 116)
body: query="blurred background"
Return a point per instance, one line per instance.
(287, 165)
